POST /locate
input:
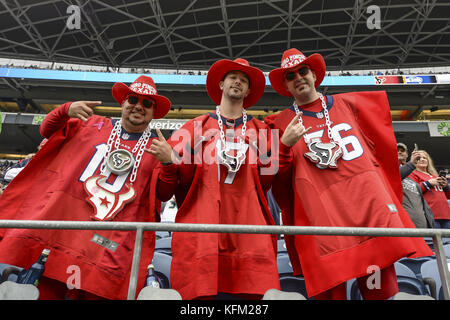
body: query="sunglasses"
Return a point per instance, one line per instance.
(147, 103)
(303, 71)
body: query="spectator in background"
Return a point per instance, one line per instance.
(4, 166)
(413, 200)
(434, 187)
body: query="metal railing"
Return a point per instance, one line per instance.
(140, 227)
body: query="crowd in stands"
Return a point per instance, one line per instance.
(6, 63)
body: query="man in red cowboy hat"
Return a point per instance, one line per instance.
(221, 178)
(343, 173)
(91, 168)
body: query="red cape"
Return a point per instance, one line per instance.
(48, 189)
(354, 195)
(207, 263)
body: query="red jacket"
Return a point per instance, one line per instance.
(207, 263)
(435, 196)
(364, 191)
(49, 188)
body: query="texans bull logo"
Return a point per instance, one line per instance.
(232, 160)
(106, 204)
(324, 154)
(120, 161)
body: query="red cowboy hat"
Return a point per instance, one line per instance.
(146, 87)
(290, 60)
(220, 68)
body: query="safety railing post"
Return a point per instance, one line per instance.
(134, 274)
(442, 264)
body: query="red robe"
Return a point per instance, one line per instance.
(364, 191)
(207, 263)
(49, 188)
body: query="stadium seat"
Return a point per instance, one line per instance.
(162, 234)
(281, 246)
(151, 293)
(8, 272)
(164, 245)
(431, 277)
(407, 296)
(415, 264)
(353, 292)
(162, 263)
(284, 264)
(429, 241)
(10, 290)
(408, 282)
(289, 282)
(447, 250)
(293, 284)
(274, 294)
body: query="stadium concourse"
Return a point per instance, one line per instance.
(50, 55)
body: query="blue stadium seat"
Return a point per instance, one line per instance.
(10, 290)
(162, 234)
(353, 292)
(408, 282)
(447, 250)
(281, 246)
(164, 245)
(289, 282)
(293, 284)
(284, 264)
(8, 272)
(430, 275)
(429, 241)
(162, 263)
(415, 264)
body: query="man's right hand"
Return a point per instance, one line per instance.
(294, 131)
(161, 149)
(82, 109)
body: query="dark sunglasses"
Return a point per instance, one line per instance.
(147, 103)
(303, 71)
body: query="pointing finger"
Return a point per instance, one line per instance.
(92, 103)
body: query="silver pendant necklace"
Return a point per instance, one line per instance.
(121, 161)
(226, 155)
(107, 202)
(323, 154)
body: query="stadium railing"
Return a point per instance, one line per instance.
(140, 227)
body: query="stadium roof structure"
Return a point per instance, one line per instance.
(192, 34)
